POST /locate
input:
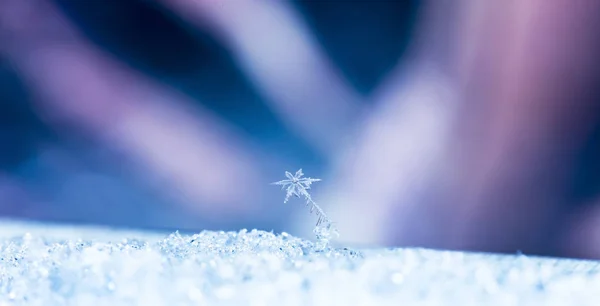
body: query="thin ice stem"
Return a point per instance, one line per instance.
(322, 216)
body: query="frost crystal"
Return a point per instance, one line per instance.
(298, 186)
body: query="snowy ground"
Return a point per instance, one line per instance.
(51, 265)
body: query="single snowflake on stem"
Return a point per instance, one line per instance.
(298, 186)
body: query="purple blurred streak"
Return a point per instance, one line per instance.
(523, 110)
(474, 140)
(193, 154)
(538, 113)
(282, 58)
(400, 153)
(397, 155)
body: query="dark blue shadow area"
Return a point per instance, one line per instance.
(365, 39)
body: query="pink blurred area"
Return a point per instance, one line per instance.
(472, 138)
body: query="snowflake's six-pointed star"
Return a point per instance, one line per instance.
(296, 185)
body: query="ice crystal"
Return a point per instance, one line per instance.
(297, 185)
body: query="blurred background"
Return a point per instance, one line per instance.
(470, 125)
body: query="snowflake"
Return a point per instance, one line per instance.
(296, 185)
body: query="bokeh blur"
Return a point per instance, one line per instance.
(466, 124)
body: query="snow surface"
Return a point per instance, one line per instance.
(57, 265)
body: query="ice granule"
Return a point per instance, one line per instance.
(49, 265)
